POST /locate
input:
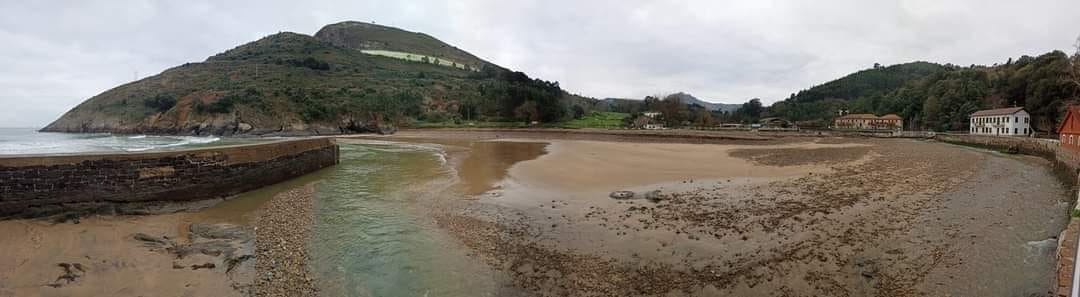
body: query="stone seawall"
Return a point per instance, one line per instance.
(41, 185)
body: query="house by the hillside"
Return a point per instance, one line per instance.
(776, 123)
(1069, 129)
(649, 121)
(866, 121)
(1009, 121)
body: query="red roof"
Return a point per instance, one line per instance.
(1070, 124)
(855, 116)
(868, 116)
(998, 111)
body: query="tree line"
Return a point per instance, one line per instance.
(941, 97)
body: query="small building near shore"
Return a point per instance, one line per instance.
(649, 121)
(866, 121)
(1069, 129)
(1009, 121)
(776, 123)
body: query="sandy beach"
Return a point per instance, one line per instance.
(605, 217)
(836, 217)
(199, 252)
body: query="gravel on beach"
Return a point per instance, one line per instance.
(283, 229)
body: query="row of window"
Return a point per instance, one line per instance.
(998, 120)
(987, 130)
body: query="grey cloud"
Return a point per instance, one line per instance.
(57, 53)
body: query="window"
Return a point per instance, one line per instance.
(1016, 119)
(1015, 131)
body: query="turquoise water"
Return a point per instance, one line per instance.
(373, 237)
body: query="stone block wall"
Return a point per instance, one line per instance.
(40, 185)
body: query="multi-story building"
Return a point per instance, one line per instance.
(1010, 121)
(866, 121)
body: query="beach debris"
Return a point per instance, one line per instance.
(622, 195)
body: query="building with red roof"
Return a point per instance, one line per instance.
(866, 121)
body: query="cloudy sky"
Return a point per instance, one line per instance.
(55, 54)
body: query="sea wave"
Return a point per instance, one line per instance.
(29, 141)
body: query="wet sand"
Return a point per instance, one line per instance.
(161, 255)
(114, 263)
(833, 217)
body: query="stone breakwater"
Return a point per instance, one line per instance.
(42, 185)
(284, 227)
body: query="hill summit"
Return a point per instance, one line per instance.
(349, 77)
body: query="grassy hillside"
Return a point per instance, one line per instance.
(292, 83)
(366, 36)
(420, 58)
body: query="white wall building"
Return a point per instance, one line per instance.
(1012, 121)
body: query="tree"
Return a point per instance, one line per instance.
(673, 110)
(527, 111)
(751, 110)
(1075, 63)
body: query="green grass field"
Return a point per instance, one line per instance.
(419, 58)
(602, 120)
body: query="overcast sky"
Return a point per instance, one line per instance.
(56, 54)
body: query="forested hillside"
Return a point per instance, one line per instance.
(940, 97)
(290, 83)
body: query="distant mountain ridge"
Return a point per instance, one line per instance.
(688, 99)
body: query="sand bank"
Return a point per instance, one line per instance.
(834, 217)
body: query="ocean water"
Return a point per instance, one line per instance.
(29, 141)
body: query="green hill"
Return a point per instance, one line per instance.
(940, 97)
(290, 83)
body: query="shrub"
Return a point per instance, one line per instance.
(159, 103)
(227, 103)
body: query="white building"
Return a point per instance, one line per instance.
(1011, 121)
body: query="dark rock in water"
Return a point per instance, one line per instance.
(622, 195)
